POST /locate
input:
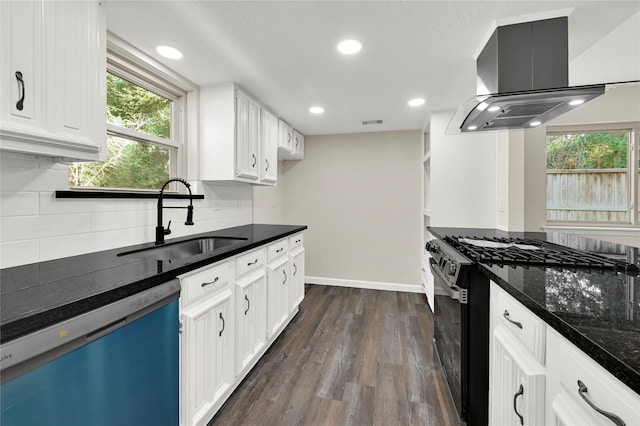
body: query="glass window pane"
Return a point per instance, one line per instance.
(130, 164)
(587, 177)
(136, 108)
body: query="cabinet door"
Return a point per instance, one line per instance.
(581, 392)
(517, 383)
(278, 283)
(269, 148)
(298, 145)
(251, 318)
(247, 137)
(297, 279)
(21, 43)
(285, 136)
(54, 77)
(207, 369)
(76, 80)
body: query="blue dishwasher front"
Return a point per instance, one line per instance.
(118, 365)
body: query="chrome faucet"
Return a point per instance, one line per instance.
(160, 231)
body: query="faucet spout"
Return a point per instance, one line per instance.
(160, 231)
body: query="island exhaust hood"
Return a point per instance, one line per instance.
(522, 79)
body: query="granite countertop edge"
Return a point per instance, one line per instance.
(14, 328)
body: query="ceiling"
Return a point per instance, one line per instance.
(284, 52)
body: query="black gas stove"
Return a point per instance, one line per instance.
(531, 252)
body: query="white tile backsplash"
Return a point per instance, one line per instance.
(16, 203)
(35, 226)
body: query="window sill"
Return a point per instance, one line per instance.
(124, 194)
(628, 231)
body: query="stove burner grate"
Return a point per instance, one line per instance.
(529, 252)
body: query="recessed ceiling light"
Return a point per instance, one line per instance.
(472, 127)
(535, 123)
(349, 47)
(316, 110)
(169, 52)
(416, 102)
(576, 102)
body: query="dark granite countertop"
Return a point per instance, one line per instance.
(599, 312)
(37, 295)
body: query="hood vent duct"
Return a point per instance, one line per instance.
(522, 78)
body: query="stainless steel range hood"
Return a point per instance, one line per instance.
(523, 110)
(522, 77)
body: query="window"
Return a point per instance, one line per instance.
(593, 175)
(145, 125)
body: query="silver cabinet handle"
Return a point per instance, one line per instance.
(252, 263)
(215, 280)
(279, 250)
(515, 399)
(516, 323)
(285, 276)
(248, 304)
(582, 390)
(295, 269)
(254, 160)
(267, 161)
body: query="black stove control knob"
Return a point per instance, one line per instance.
(431, 247)
(451, 268)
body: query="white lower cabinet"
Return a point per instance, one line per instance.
(207, 355)
(581, 392)
(230, 313)
(278, 283)
(251, 319)
(538, 377)
(296, 261)
(251, 308)
(517, 382)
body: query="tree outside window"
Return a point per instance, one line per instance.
(139, 150)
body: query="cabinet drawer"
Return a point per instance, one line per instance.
(277, 249)
(567, 366)
(204, 282)
(520, 321)
(296, 241)
(251, 261)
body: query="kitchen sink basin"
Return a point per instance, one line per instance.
(182, 249)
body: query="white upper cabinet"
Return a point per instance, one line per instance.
(290, 142)
(285, 137)
(231, 137)
(53, 84)
(269, 147)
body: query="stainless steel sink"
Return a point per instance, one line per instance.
(183, 249)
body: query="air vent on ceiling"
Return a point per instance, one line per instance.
(372, 122)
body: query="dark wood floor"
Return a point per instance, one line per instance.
(350, 357)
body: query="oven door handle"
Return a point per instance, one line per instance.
(453, 292)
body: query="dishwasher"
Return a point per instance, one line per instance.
(116, 365)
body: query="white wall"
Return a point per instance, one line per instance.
(463, 176)
(359, 194)
(269, 201)
(35, 226)
(614, 58)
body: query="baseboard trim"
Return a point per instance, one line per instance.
(371, 285)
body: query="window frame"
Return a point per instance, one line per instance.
(129, 63)
(633, 171)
